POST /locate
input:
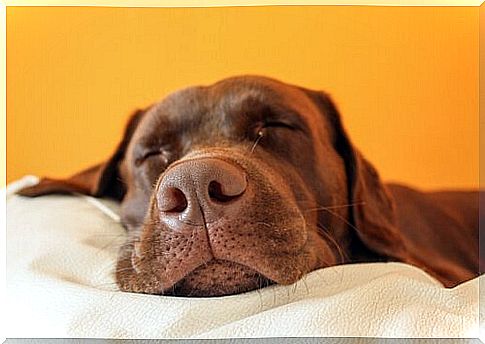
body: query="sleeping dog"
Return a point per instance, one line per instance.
(251, 181)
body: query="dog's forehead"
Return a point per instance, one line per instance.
(210, 106)
(239, 93)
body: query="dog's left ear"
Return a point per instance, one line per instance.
(99, 180)
(373, 214)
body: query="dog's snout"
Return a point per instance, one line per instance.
(201, 189)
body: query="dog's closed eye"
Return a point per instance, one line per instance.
(159, 153)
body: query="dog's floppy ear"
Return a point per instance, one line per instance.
(99, 180)
(373, 215)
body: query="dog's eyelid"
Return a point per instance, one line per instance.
(294, 125)
(145, 149)
(284, 118)
(280, 124)
(150, 152)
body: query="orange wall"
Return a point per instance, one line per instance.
(405, 78)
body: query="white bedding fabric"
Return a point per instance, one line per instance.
(61, 252)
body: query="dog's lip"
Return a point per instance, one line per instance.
(274, 278)
(172, 290)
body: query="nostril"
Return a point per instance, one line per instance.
(216, 193)
(172, 200)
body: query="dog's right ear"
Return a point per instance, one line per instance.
(99, 180)
(373, 217)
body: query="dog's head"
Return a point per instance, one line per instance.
(237, 185)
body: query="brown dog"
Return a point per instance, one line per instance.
(251, 181)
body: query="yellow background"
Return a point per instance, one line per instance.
(404, 78)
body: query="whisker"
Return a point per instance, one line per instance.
(263, 224)
(342, 218)
(124, 269)
(260, 296)
(305, 284)
(274, 297)
(295, 287)
(335, 206)
(110, 284)
(108, 235)
(260, 136)
(324, 230)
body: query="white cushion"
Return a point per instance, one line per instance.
(61, 252)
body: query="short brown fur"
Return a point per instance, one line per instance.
(311, 200)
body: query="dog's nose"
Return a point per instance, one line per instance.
(200, 190)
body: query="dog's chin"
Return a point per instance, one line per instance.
(219, 278)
